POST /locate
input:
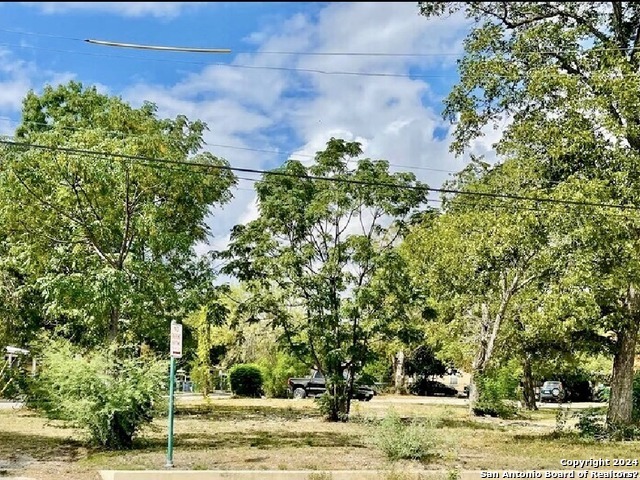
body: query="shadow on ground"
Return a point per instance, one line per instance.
(18, 448)
(235, 412)
(257, 439)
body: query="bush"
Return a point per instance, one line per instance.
(494, 389)
(592, 424)
(12, 381)
(246, 380)
(109, 397)
(275, 374)
(399, 440)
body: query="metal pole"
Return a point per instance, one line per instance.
(172, 375)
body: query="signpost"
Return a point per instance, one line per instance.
(176, 352)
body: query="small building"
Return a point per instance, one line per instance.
(15, 357)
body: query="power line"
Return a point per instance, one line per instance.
(424, 188)
(290, 156)
(233, 65)
(157, 47)
(327, 53)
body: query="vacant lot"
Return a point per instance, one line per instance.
(287, 434)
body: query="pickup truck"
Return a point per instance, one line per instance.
(315, 385)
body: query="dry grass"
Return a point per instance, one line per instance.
(288, 434)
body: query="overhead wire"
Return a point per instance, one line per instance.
(291, 156)
(234, 65)
(425, 188)
(332, 53)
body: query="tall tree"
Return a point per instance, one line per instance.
(324, 235)
(476, 260)
(566, 76)
(108, 241)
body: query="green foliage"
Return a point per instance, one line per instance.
(320, 259)
(107, 394)
(13, 381)
(104, 243)
(400, 440)
(378, 371)
(276, 373)
(497, 389)
(203, 379)
(422, 361)
(562, 418)
(332, 407)
(574, 127)
(592, 424)
(246, 380)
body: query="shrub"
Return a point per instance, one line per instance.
(591, 424)
(246, 380)
(12, 381)
(332, 408)
(399, 440)
(108, 396)
(276, 373)
(494, 389)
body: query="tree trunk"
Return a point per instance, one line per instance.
(528, 390)
(398, 377)
(474, 394)
(339, 403)
(481, 359)
(621, 401)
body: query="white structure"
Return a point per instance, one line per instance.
(13, 355)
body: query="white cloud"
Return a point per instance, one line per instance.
(126, 9)
(15, 81)
(394, 118)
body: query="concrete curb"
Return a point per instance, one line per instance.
(276, 475)
(390, 474)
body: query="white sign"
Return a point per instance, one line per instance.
(176, 340)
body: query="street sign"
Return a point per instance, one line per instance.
(176, 340)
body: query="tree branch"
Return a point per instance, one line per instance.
(91, 240)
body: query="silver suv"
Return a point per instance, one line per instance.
(552, 391)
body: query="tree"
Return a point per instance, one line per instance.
(106, 240)
(475, 260)
(566, 76)
(325, 234)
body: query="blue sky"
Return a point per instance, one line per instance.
(252, 99)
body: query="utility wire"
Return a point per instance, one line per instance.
(157, 47)
(468, 204)
(318, 178)
(280, 153)
(233, 65)
(338, 54)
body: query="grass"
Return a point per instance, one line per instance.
(288, 434)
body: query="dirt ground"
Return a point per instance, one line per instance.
(224, 433)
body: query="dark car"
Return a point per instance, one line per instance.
(552, 391)
(315, 385)
(433, 388)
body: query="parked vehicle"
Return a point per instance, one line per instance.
(552, 391)
(433, 388)
(315, 385)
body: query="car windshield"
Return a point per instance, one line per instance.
(551, 384)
